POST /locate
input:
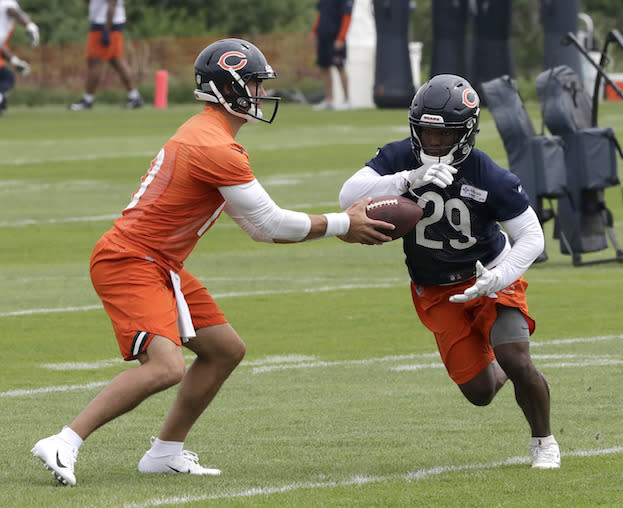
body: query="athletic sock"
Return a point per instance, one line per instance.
(87, 97)
(70, 437)
(164, 448)
(534, 441)
(133, 94)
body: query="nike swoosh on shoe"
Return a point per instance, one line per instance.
(58, 461)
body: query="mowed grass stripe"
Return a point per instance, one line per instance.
(270, 364)
(421, 475)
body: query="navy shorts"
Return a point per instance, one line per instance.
(327, 55)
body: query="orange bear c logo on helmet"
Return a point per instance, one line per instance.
(239, 64)
(470, 98)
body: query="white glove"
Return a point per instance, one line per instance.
(21, 66)
(439, 174)
(487, 281)
(33, 33)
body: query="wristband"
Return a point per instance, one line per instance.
(337, 224)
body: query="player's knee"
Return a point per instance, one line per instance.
(518, 367)
(481, 398)
(525, 374)
(169, 373)
(235, 352)
(481, 389)
(480, 395)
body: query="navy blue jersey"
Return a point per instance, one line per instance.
(460, 222)
(331, 13)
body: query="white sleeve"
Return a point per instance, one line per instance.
(368, 183)
(250, 206)
(527, 235)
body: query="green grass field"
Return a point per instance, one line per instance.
(341, 400)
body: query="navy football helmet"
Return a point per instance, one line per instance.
(223, 71)
(449, 102)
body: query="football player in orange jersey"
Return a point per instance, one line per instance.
(156, 306)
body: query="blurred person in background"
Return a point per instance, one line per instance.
(105, 44)
(329, 30)
(10, 13)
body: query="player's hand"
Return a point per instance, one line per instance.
(487, 281)
(21, 66)
(105, 37)
(363, 229)
(439, 174)
(33, 33)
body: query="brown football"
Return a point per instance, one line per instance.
(397, 210)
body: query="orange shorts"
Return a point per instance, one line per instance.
(462, 330)
(113, 50)
(138, 296)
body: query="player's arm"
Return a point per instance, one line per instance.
(24, 19)
(110, 12)
(340, 40)
(528, 242)
(21, 66)
(250, 206)
(368, 183)
(112, 5)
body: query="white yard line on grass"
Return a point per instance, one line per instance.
(280, 363)
(21, 161)
(420, 474)
(63, 220)
(51, 389)
(233, 294)
(27, 312)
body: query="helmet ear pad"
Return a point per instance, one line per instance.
(243, 102)
(237, 96)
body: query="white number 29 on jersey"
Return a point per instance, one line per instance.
(457, 215)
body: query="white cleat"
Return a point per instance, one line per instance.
(545, 453)
(324, 105)
(187, 463)
(59, 457)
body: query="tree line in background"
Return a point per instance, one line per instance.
(66, 21)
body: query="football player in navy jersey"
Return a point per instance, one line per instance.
(466, 277)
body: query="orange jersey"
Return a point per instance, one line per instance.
(178, 199)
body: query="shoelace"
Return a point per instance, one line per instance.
(68, 456)
(191, 456)
(545, 452)
(192, 460)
